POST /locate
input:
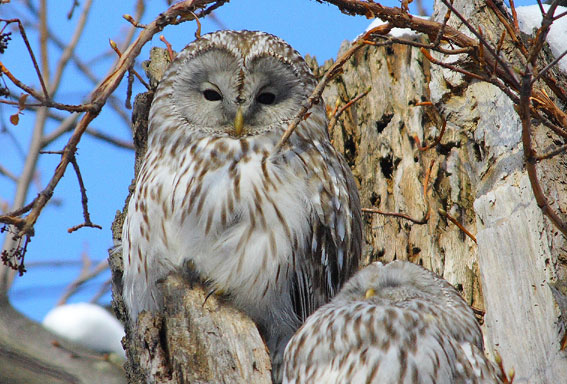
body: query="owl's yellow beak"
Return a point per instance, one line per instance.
(238, 122)
(370, 293)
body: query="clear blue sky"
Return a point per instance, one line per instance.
(310, 27)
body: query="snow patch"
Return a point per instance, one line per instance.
(86, 324)
(529, 19)
(395, 32)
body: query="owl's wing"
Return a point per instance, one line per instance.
(333, 252)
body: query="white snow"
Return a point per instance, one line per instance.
(529, 19)
(395, 32)
(86, 324)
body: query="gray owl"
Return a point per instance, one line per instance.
(392, 324)
(277, 231)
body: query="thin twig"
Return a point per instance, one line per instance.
(435, 142)
(176, 14)
(513, 32)
(30, 51)
(548, 66)
(397, 18)
(72, 10)
(67, 124)
(105, 287)
(454, 221)
(115, 49)
(492, 80)
(44, 101)
(515, 17)
(132, 21)
(511, 76)
(109, 139)
(168, 46)
(8, 174)
(70, 48)
(396, 214)
(553, 153)
(541, 34)
(84, 200)
(339, 112)
(85, 275)
(315, 96)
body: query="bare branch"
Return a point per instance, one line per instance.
(176, 14)
(84, 200)
(70, 48)
(529, 153)
(396, 214)
(45, 101)
(548, 66)
(30, 51)
(339, 112)
(454, 221)
(8, 174)
(553, 153)
(85, 275)
(72, 10)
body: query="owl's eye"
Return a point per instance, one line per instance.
(266, 98)
(212, 95)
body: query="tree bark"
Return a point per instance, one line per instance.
(478, 177)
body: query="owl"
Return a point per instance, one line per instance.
(276, 230)
(394, 323)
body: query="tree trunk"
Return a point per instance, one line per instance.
(475, 174)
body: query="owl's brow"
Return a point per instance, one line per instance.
(240, 83)
(288, 63)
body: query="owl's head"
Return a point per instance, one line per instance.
(397, 281)
(235, 83)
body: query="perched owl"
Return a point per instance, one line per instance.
(397, 323)
(278, 231)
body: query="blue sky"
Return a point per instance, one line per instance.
(310, 27)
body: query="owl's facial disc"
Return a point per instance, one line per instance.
(219, 93)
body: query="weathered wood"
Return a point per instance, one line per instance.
(478, 177)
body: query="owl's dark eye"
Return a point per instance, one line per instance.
(212, 95)
(266, 98)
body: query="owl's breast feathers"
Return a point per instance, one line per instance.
(256, 226)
